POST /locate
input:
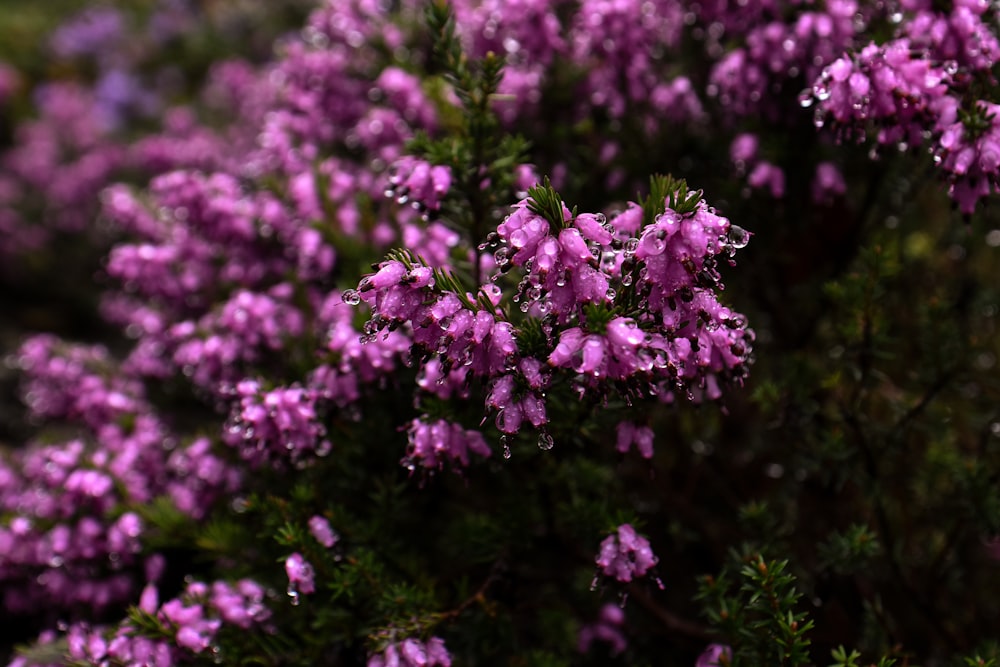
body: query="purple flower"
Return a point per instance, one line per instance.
(625, 555)
(606, 629)
(630, 434)
(743, 150)
(433, 443)
(241, 605)
(275, 425)
(321, 530)
(716, 655)
(828, 183)
(413, 653)
(888, 83)
(300, 576)
(419, 183)
(771, 176)
(93, 32)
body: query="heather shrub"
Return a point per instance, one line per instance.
(522, 333)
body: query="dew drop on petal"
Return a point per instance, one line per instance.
(738, 237)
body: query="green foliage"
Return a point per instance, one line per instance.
(546, 202)
(844, 659)
(754, 609)
(849, 551)
(667, 192)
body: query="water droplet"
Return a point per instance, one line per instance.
(611, 294)
(293, 594)
(631, 245)
(806, 98)
(627, 280)
(738, 237)
(593, 584)
(545, 442)
(351, 297)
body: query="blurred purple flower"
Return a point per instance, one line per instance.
(93, 32)
(716, 655)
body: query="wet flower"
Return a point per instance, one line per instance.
(716, 655)
(300, 576)
(625, 555)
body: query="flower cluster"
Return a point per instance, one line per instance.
(413, 653)
(968, 151)
(607, 629)
(434, 443)
(922, 84)
(281, 422)
(189, 624)
(630, 434)
(626, 555)
(254, 340)
(421, 184)
(776, 51)
(79, 140)
(580, 273)
(882, 84)
(72, 538)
